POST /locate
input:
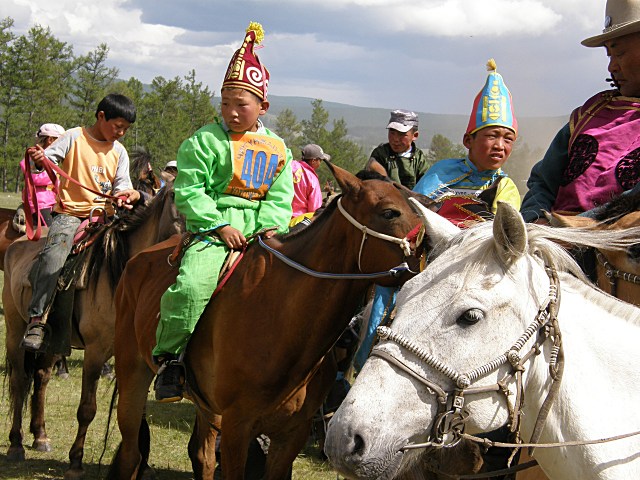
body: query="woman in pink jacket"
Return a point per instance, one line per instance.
(307, 197)
(47, 134)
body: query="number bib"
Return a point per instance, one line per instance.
(257, 160)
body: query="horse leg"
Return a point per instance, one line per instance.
(234, 445)
(284, 449)
(94, 358)
(41, 377)
(133, 388)
(202, 447)
(19, 384)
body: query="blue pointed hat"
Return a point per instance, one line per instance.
(493, 105)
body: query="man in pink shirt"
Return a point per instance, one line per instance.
(307, 197)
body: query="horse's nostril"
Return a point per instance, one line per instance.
(358, 445)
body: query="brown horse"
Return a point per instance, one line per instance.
(7, 233)
(257, 361)
(142, 175)
(618, 272)
(93, 320)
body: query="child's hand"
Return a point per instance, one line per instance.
(232, 237)
(37, 155)
(127, 198)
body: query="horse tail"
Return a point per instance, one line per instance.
(25, 385)
(112, 404)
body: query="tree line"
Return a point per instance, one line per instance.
(42, 80)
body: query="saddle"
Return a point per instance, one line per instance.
(73, 276)
(232, 260)
(465, 210)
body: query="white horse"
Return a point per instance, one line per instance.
(462, 325)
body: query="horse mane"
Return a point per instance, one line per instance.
(140, 161)
(110, 249)
(318, 219)
(619, 207)
(475, 246)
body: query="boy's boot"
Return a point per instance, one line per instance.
(169, 385)
(33, 339)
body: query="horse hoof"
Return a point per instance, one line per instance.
(42, 445)
(148, 474)
(63, 376)
(74, 474)
(15, 454)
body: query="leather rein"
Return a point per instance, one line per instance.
(408, 244)
(448, 428)
(613, 274)
(29, 193)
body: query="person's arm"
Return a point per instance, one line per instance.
(507, 192)
(314, 195)
(198, 164)
(544, 180)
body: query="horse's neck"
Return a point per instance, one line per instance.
(323, 246)
(145, 235)
(599, 347)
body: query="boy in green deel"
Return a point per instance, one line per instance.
(234, 178)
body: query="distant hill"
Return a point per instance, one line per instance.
(366, 126)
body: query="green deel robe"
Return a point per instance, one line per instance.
(205, 170)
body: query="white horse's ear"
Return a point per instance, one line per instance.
(438, 229)
(509, 233)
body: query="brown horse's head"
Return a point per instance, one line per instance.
(380, 209)
(142, 176)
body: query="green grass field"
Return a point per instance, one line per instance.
(170, 428)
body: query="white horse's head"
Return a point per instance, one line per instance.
(454, 324)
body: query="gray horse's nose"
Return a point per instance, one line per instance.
(344, 447)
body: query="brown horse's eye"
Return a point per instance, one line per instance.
(390, 214)
(470, 317)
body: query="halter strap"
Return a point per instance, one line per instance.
(404, 243)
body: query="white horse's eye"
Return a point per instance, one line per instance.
(470, 317)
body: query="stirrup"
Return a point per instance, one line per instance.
(34, 337)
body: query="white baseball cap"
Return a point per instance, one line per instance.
(50, 130)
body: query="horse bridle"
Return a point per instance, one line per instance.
(451, 417)
(613, 274)
(408, 244)
(404, 243)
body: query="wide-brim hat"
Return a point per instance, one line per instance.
(621, 17)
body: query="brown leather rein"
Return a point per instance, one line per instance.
(613, 274)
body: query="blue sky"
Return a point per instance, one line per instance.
(423, 55)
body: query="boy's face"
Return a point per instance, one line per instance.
(110, 130)
(240, 109)
(401, 142)
(489, 147)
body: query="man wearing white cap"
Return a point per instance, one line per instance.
(596, 156)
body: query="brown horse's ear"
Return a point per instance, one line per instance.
(556, 220)
(509, 233)
(349, 183)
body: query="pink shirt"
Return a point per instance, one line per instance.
(44, 189)
(307, 194)
(603, 153)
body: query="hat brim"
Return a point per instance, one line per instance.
(615, 32)
(399, 127)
